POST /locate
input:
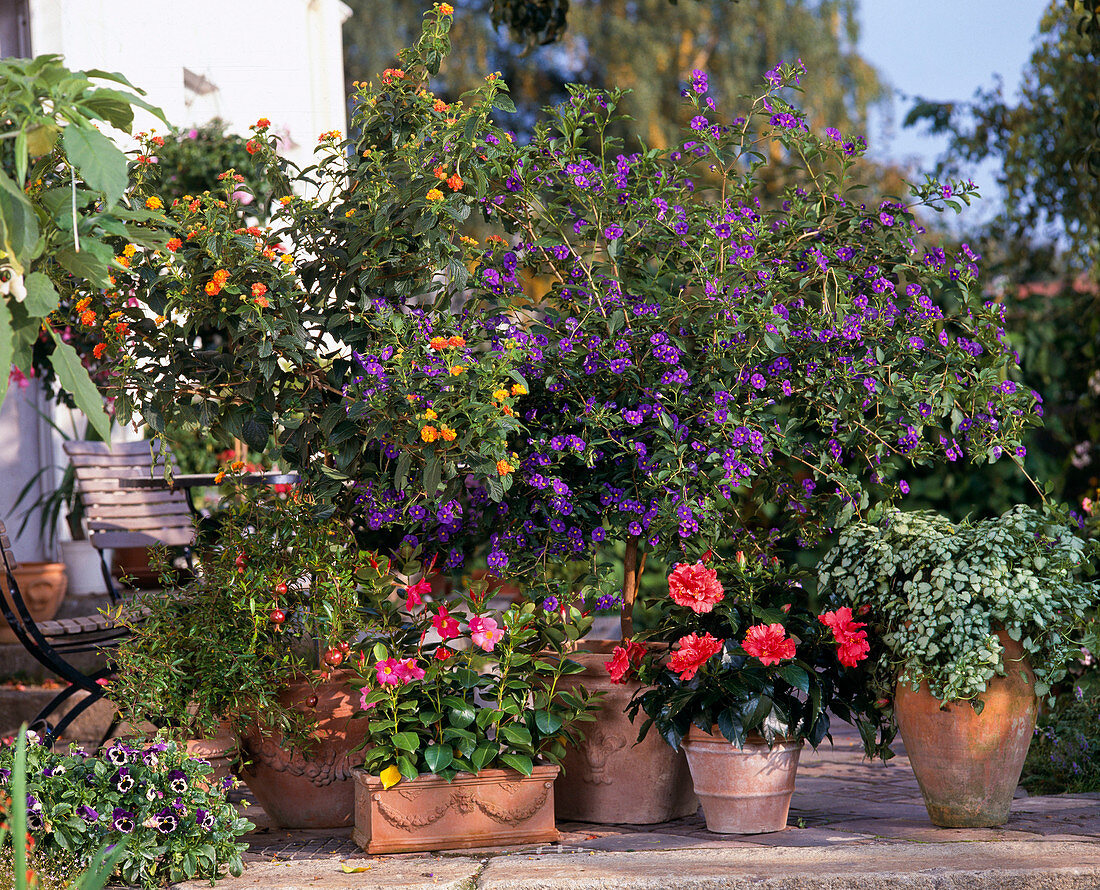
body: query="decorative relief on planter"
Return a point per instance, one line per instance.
(496, 807)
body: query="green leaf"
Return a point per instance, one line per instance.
(483, 755)
(18, 222)
(42, 298)
(438, 757)
(794, 675)
(97, 159)
(461, 717)
(519, 762)
(7, 348)
(74, 378)
(547, 723)
(406, 741)
(91, 262)
(516, 734)
(433, 474)
(775, 342)
(401, 475)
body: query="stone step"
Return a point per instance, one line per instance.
(20, 705)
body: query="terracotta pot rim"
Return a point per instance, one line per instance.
(753, 738)
(493, 774)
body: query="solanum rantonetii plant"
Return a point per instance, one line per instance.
(280, 596)
(451, 686)
(65, 212)
(697, 367)
(738, 647)
(939, 592)
(718, 369)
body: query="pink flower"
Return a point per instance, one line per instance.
(485, 633)
(410, 670)
(695, 586)
(444, 624)
(389, 672)
(624, 660)
(769, 643)
(415, 592)
(363, 703)
(242, 197)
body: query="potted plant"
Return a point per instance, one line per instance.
(466, 719)
(159, 804)
(752, 673)
(260, 640)
(976, 622)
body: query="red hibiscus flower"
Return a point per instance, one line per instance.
(624, 660)
(693, 653)
(848, 633)
(769, 643)
(694, 586)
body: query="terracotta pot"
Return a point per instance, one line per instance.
(743, 790)
(221, 751)
(315, 789)
(495, 807)
(43, 586)
(609, 778)
(132, 563)
(968, 764)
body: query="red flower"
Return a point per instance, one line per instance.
(769, 643)
(624, 660)
(414, 593)
(694, 586)
(445, 625)
(693, 653)
(252, 146)
(442, 653)
(853, 641)
(99, 349)
(174, 244)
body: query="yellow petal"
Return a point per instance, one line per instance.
(390, 776)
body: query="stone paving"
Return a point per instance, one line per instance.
(853, 824)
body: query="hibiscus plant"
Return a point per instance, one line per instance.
(451, 687)
(749, 659)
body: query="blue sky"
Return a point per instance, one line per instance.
(943, 50)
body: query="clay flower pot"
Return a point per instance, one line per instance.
(495, 807)
(743, 790)
(315, 789)
(609, 779)
(968, 764)
(220, 751)
(43, 586)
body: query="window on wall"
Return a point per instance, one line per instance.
(15, 32)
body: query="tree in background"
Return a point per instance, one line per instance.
(1042, 249)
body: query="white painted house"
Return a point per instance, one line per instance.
(196, 59)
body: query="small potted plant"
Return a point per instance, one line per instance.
(976, 622)
(259, 640)
(465, 719)
(752, 674)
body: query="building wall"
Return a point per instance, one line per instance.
(280, 59)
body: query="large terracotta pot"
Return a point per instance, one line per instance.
(609, 779)
(42, 585)
(968, 764)
(316, 789)
(132, 563)
(495, 807)
(743, 790)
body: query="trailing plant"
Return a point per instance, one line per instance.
(739, 649)
(166, 819)
(939, 592)
(451, 687)
(278, 596)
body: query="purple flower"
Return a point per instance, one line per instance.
(904, 486)
(122, 820)
(177, 781)
(125, 781)
(699, 122)
(758, 381)
(86, 813)
(166, 821)
(1008, 387)
(833, 133)
(550, 604)
(613, 232)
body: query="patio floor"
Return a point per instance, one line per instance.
(853, 824)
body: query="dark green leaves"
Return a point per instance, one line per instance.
(74, 378)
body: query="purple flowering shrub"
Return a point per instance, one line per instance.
(177, 821)
(712, 366)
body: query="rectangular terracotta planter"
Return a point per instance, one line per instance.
(496, 807)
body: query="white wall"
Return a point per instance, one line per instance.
(280, 59)
(25, 445)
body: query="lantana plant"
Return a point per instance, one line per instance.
(451, 687)
(737, 649)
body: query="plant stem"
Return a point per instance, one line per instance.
(631, 576)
